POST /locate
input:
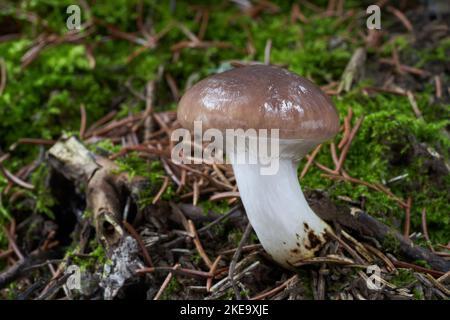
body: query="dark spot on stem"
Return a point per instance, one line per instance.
(314, 240)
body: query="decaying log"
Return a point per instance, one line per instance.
(367, 226)
(106, 188)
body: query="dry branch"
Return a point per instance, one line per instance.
(106, 190)
(367, 226)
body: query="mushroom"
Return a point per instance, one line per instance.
(268, 97)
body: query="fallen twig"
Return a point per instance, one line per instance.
(138, 238)
(198, 244)
(310, 161)
(346, 147)
(235, 258)
(406, 229)
(165, 283)
(2, 75)
(275, 290)
(212, 271)
(83, 121)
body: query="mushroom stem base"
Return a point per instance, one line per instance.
(285, 224)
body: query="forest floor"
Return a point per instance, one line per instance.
(174, 231)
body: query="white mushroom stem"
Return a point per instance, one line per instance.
(285, 224)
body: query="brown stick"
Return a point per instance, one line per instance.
(198, 244)
(325, 168)
(161, 190)
(346, 148)
(402, 264)
(224, 195)
(83, 121)
(212, 271)
(2, 75)
(405, 68)
(235, 258)
(204, 25)
(165, 283)
(13, 244)
(138, 238)
(248, 248)
(5, 254)
(183, 271)
(413, 102)
(274, 290)
(407, 218)
(310, 161)
(196, 192)
(403, 19)
(101, 121)
(438, 86)
(425, 228)
(347, 121)
(15, 180)
(173, 86)
(375, 187)
(334, 154)
(114, 125)
(36, 141)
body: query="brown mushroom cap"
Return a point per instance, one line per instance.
(260, 97)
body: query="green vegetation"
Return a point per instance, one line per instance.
(391, 243)
(386, 147)
(405, 277)
(42, 99)
(96, 257)
(221, 206)
(173, 287)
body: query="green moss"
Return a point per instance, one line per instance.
(384, 148)
(134, 165)
(87, 214)
(229, 295)
(47, 93)
(245, 293)
(235, 237)
(418, 294)
(195, 258)
(404, 278)
(96, 258)
(99, 253)
(173, 287)
(400, 42)
(307, 283)
(423, 263)
(104, 145)
(391, 243)
(221, 206)
(437, 53)
(11, 291)
(44, 200)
